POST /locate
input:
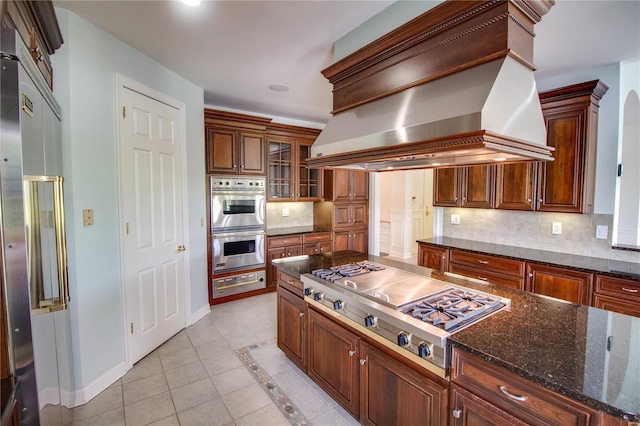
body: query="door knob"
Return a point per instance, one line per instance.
(181, 248)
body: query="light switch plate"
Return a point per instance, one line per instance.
(285, 212)
(602, 232)
(556, 228)
(87, 217)
(455, 219)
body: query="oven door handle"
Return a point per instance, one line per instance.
(237, 234)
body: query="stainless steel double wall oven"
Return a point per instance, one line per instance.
(237, 234)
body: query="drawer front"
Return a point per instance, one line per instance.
(491, 263)
(627, 289)
(517, 396)
(290, 283)
(289, 240)
(616, 304)
(317, 248)
(480, 274)
(316, 237)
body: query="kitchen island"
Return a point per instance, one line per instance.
(581, 355)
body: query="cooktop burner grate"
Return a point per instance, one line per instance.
(452, 308)
(343, 271)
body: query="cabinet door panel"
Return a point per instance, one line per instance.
(393, 394)
(221, 151)
(359, 214)
(341, 240)
(333, 360)
(341, 215)
(573, 286)
(359, 185)
(309, 187)
(433, 257)
(515, 185)
(341, 185)
(281, 171)
(478, 187)
(292, 327)
(359, 241)
(445, 187)
(252, 154)
(561, 179)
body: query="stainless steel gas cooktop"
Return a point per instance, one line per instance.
(414, 312)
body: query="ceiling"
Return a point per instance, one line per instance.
(235, 49)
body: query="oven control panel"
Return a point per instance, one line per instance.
(244, 184)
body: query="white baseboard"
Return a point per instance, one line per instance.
(82, 396)
(199, 314)
(48, 396)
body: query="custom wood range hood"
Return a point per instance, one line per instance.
(452, 87)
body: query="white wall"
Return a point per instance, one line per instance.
(84, 82)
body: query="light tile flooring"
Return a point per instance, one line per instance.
(197, 378)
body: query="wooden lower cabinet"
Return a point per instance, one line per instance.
(565, 284)
(433, 257)
(393, 394)
(333, 360)
(292, 326)
(617, 295)
(482, 393)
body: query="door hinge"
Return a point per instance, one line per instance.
(124, 112)
(127, 230)
(131, 328)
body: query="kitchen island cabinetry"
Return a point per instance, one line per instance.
(464, 187)
(289, 179)
(235, 143)
(481, 393)
(617, 295)
(333, 360)
(292, 324)
(572, 286)
(394, 394)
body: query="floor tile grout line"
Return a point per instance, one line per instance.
(290, 411)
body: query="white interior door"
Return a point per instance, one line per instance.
(151, 197)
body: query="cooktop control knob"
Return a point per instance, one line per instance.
(308, 291)
(424, 350)
(338, 304)
(317, 296)
(369, 321)
(403, 339)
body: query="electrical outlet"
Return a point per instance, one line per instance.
(602, 231)
(556, 228)
(285, 212)
(87, 217)
(455, 219)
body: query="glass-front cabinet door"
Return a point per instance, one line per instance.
(281, 170)
(309, 179)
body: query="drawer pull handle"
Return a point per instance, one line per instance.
(510, 395)
(483, 278)
(630, 290)
(484, 262)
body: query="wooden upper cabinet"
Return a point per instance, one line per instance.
(235, 143)
(289, 179)
(346, 185)
(464, 187)
(571, 117)
(515, 186)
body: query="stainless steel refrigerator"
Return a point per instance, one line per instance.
(32, 230)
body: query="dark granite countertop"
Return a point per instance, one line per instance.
(614, 268)
(278, 232)
(560, 346)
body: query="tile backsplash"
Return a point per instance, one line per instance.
(533, 230)
(300, 214)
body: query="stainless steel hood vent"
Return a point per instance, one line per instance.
(486, 114)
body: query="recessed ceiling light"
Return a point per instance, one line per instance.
(279, 87)
(192, 3)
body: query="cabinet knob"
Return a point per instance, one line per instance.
(362, 361)
(352, 353)
(539, 200)
(455, 198)
(530, 274)
(301, 314)
(528, 200)
(464, 198)
(456, 413)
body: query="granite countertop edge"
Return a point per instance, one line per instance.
(547, 384)
(595, 265)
